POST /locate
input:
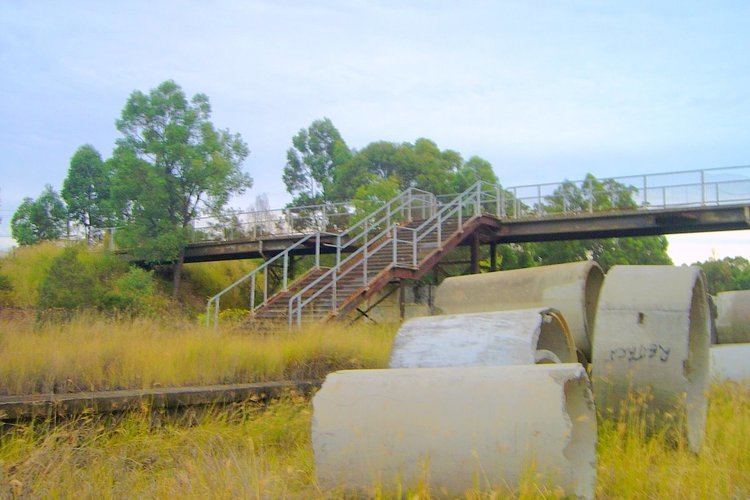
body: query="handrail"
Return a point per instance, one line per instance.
(339, 271)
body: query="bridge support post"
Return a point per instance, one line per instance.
(493, 256)
(474, 253)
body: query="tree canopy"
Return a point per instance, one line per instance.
(171, 164)
(311, 161)
(42, 219)
(86, 189)
(730, 273)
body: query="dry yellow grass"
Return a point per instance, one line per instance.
(95, 353)
(245, 451)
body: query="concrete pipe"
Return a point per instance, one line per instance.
(520, 337)
(733, 323)
(573, 289)
(730, 362)
(652, 335)
(456, 428)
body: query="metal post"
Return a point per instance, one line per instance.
(460, 214)
(324, 221)
(290, 315)
(216, 313)
(414, 248)
(717, 193)
(252, 293)
(703, 188)
(497, 200)
(440, 230)
(408, 206)
(395, 245)
(515, 203)
(539, 198)
(265, 285)
(364, 265)
(478, 206)
(664, 196)
(317, 250)
(493, 256)
(286, 270)
(334, 300)
(338, 249)
(388, 215)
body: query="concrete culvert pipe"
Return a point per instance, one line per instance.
(520, 337)
(652, 335)
(455, 428)
(733, 323)
(573, 289)
(730, 362)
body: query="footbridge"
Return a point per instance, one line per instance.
(407, 236)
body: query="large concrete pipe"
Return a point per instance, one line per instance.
(457, 428)
(572, 289)
(652, 335)
(730, 362)
(733, 323)
(520, 337)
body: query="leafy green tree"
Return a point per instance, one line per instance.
(422, 165)
(315, 153)
(605, 195)
(171, 164)
(86, 189)
(730, 273)
(42, 219)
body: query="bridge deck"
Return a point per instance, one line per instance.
(497, 230)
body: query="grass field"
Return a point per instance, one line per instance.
(246, 451)
(92, 352)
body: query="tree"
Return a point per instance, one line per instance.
(730, 273)
(422, 165)
(42, 219)
(86, 189)
(605, 195)
(315, 153)
(170, 165)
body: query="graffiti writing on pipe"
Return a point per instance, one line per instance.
(640, 352)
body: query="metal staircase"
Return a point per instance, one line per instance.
(275, 305)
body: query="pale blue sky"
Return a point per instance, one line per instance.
(544, 90)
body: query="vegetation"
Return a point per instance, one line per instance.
(245, 451)
(93, 352)
(730, 273)
(86, 190)
(42, 219)
(170, 165)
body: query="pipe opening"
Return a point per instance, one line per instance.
(581, 448)
(554, 337)
(696, 369)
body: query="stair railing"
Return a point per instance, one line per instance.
(403, 205)
(213, 304)
(472, 197)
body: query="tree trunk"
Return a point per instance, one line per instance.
(177, 273)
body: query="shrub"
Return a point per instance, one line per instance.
(81, 279)
(26, 268)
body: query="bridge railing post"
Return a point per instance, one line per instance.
(252, 293)
(317, 250)
(286, 271)
(414, 248)
(515, 203)
(478, 205)
(645, 190)
(395, 245)
(703, 188)
(338, 249)
(334, 292)
(440, 230)
(539, 199)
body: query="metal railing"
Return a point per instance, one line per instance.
(435, 220)
(401, 207)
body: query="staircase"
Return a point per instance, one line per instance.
(404, 238)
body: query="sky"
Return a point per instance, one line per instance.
(543, 90)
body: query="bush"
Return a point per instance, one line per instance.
(81, 279)
(25, 268)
